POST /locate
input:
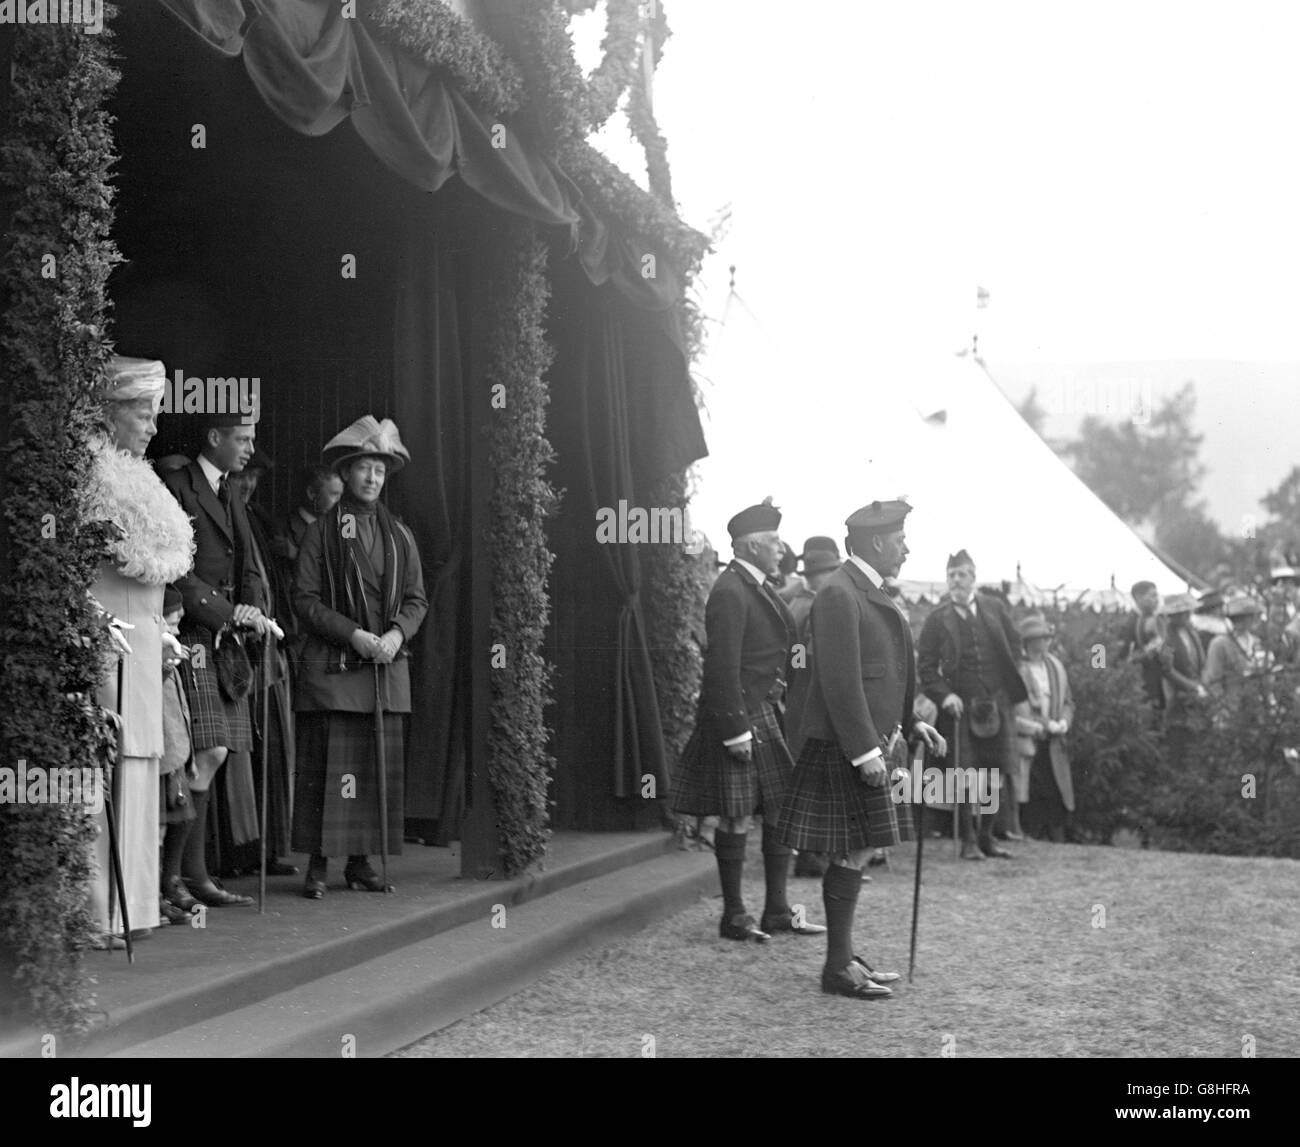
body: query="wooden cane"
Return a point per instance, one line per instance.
(956, 776)
(116, 881)
(266, 792)
(918, 762)
(383, 779)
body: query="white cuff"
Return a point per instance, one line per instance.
(862, 760)
(743, 739)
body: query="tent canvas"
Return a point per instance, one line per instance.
(936, 429)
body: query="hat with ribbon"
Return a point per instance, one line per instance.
(819, 555)
(1243, 605)
(759, 519)
(878, 517)
(1179, 603)
(1035, 625)
(129, 379)
(367, 438)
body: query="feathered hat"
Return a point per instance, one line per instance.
(366, 438)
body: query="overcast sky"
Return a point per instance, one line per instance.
(1122, 178)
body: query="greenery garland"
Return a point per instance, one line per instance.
(620, 55)
(674, 591)
(54, 167)
(432, 32)
(519, 765)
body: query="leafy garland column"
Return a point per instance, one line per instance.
(57, 254)
(519, 765)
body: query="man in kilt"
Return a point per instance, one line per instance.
(223, 598)
(736, 762)
(969, 652)
(857, 722)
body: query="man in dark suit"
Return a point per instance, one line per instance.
(736, 762)
(968, 656)
(856, 723)
(223, 596)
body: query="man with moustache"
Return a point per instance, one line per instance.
(736, 763)
(223, 598)
(968, 655)
(857, 721)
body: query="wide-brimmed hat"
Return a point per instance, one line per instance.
(1035, 625)
(1179, 603)
(367, 437)
(819, 555)
(1210, 599)
(1241, 606)
(1284, 572)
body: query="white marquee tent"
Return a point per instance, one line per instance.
(937, 430)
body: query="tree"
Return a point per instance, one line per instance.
(1143, 472)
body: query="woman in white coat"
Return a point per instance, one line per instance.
(152, 543)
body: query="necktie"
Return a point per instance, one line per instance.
(223, 491)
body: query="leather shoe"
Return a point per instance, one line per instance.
(280, 868)
(314, 889)
(177, 895)
(994, 850)
(360, 877)
(208, 893)
(170, 913)
(785, 922)
(742, 927)
(853, 982)
(878, 977)
(970, 852)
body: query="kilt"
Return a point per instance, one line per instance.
(829, 809)
(711, 782)
(215, 722)
(330, 746)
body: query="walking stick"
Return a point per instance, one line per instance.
(266, 792)
(956, 776)
(116, 881)
(918, 760)
(383, 779)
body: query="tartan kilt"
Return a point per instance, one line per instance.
(215, 722)
(829, 809)
(710, 782)
(331, 745)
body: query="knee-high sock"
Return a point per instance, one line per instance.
(729, 848)
(173, 849)
(194, 862)
(776, 872)
(840, 887)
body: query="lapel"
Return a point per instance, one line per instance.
(951, 624)
(877, 597)
(769, 599)
(209, 500)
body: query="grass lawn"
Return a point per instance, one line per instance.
(1196, 954)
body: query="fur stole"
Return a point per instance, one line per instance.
(156, 540)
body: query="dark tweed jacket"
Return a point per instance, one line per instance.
(221, 556)
(749, 637)
(939, 649)
(863, 666)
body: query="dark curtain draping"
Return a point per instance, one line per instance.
(430, 366)
(316, 68)
(623, 416)
(233, 269)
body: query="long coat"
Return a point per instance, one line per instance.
(331, 677)
(939, 649)
(863, 666)
(1029, 714)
